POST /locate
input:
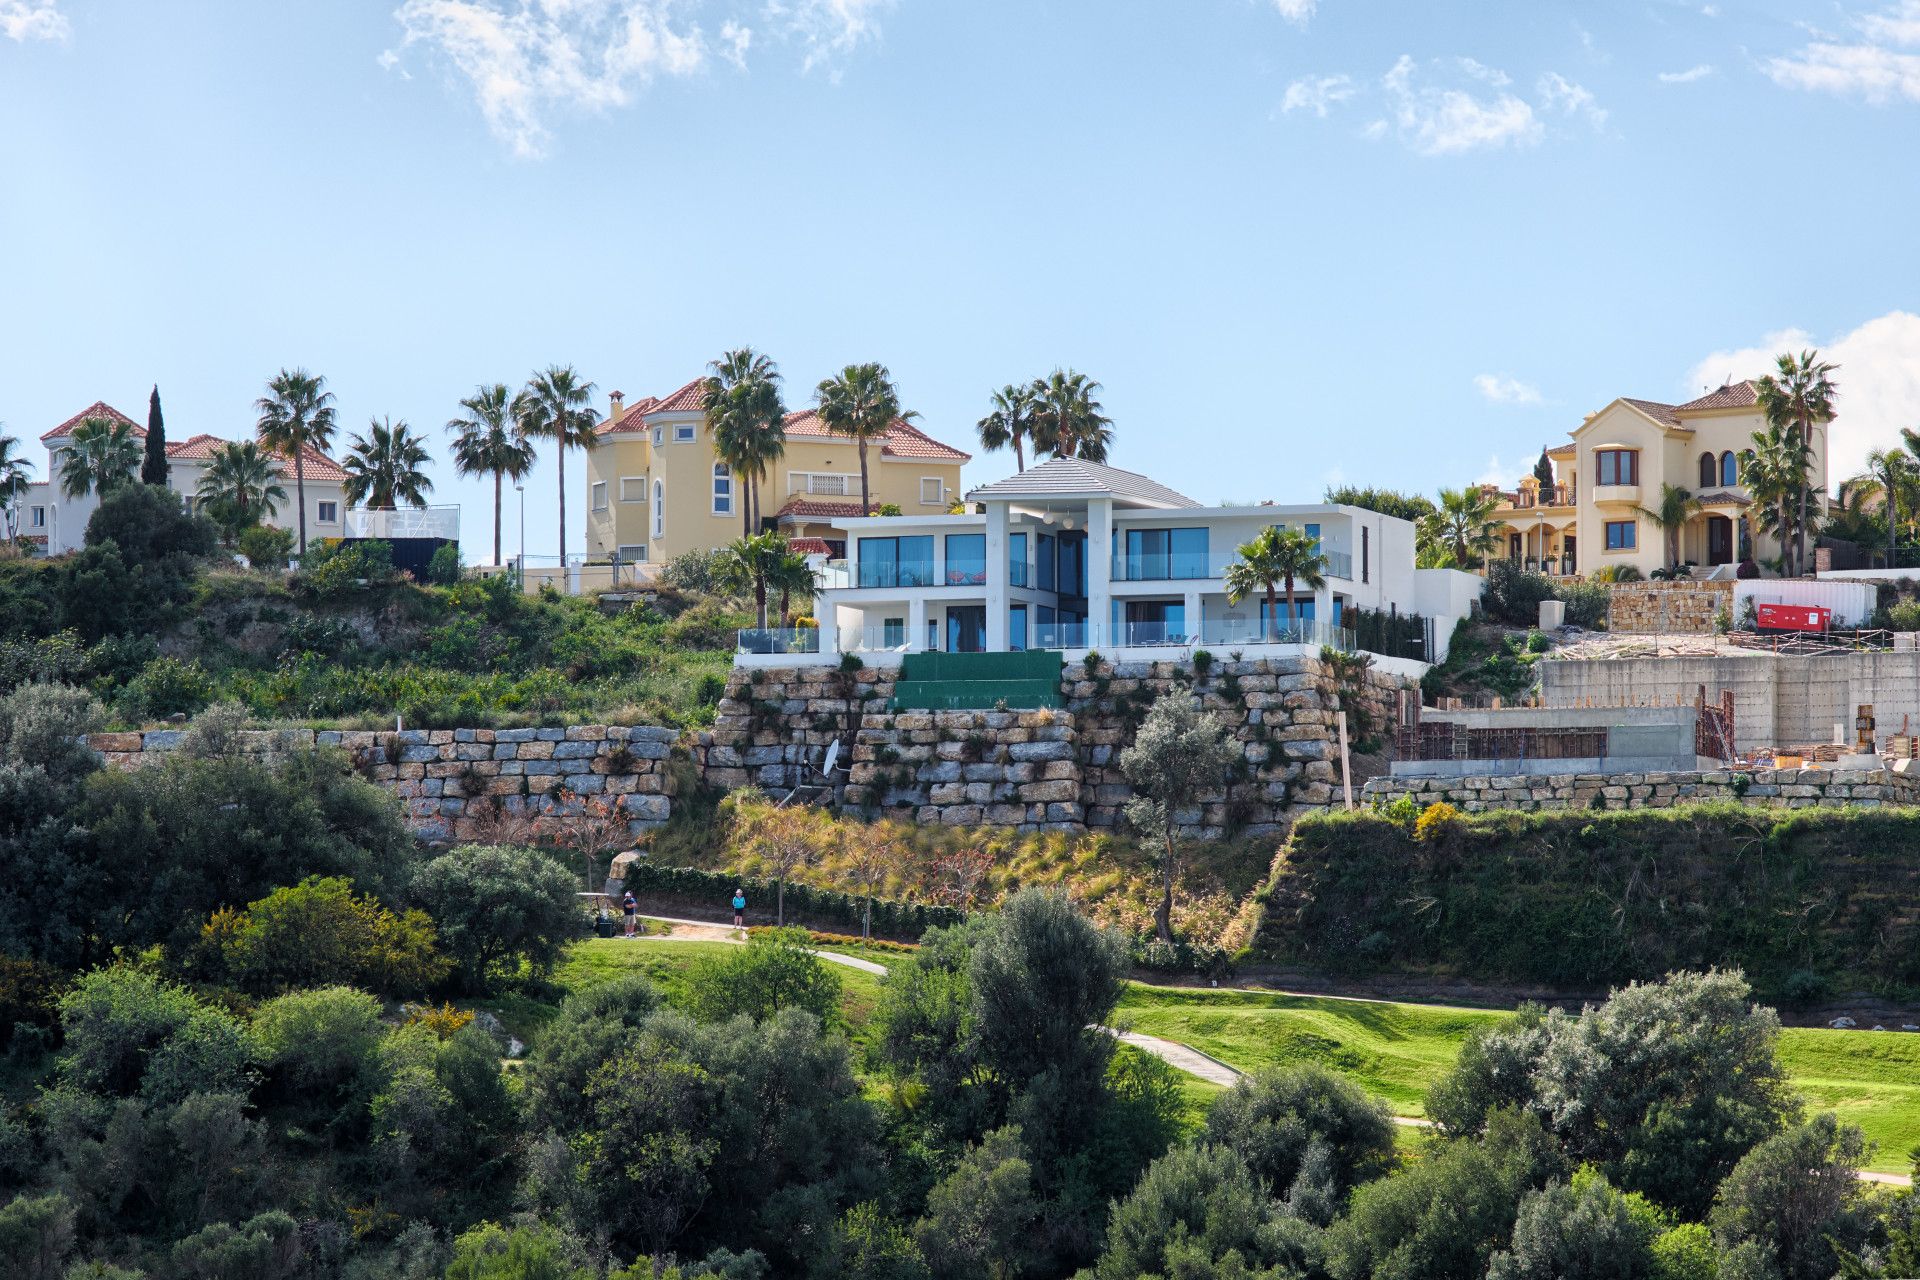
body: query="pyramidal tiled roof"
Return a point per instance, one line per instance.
(1076, 477)
(200, 448)
(98, 409)
(1660, 413)
(903, 439)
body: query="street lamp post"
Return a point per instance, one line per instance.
(521, 558)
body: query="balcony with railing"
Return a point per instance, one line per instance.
(1549, 496)
(406, 522)
(770, 640)
(894, 573)
(1177, 566)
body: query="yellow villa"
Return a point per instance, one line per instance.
(655, 488)
(1613, 471)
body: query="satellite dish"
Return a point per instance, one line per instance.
(833, 758)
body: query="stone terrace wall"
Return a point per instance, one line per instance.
(449, 778)
(1793, 788)
(1682, 607)
(1052, 769)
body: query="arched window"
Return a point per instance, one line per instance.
(722, 490)
(659, 510)
(1706, 471)
(1729, 468)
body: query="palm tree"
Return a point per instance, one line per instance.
(1677, 506)
(557, 405)
(748, 564)
(240, 486)
(489, 442)
(1892, 473)
(1010, 422)
(862, 402)
(1461, 533)
(13, 482)
(1775, 471)
(384, 467)
(296, 414)
(1800, 395)
(741, 400)
(1276, 555)
(1067, 421)
(790, 577)
(101, 455)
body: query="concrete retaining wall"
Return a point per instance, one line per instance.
(1778, 700)
(449, 779)
(1798, 789)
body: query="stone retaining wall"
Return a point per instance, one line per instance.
(1051, 769)
(449, 779)
(1683, 607)
(1793, 788)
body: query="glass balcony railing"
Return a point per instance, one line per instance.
(880, 639)
(777, 640)
(1177, 566)
(835, 573)
(966, 573)
(1307, 631)
(892, 573)
(1017, 573)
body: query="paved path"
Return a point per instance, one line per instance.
(707, 930)
(1182, 1057)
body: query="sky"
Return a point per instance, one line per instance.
(1298, 242)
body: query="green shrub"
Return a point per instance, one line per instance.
(444, 568)
(1513, 595)
(319, 933)
(1587, 603)
(1905, 616)
(692, 571)
(266, 547)
(165, 687)
(334, 567)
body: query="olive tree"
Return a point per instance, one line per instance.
(1180, 754)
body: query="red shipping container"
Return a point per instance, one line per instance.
(1793, 617)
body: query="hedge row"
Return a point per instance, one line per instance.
(1801, 899)
(804, 902)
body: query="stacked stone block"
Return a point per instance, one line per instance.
(451, 779)
(1681, 607)
(1054, 769)
(1791, 788)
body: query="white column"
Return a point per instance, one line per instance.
(916, 624)
(1100, 571)
(997, 573)
(1193, 614)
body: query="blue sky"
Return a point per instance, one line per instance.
(1402, 244)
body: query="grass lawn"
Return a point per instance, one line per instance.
(666, 962)
(1870, 1079)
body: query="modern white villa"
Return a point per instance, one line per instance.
(1077, 556)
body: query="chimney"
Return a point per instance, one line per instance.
(619, 401)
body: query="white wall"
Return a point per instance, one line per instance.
(1446, 596)
(1852, 602)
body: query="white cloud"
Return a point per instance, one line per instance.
(1317, 94)
(1700, 72)
(1296, 11)
(23, 20)
(1878, 378)
(1501, 476)
(1436, 120)
(734, 40)
(1557, 93)
(1876, 65)
(1505, 389)
(525, 57)
(826, 29)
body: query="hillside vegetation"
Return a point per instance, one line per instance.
(1805, 901)
(155, 623)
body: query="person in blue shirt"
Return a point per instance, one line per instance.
(630, 907)
(739, 908)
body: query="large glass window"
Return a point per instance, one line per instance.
(1276, 619)
(1157, 554)
(1154, 622)
(1017, 559)
(896, 562)
(1017, 627)
(1729, 469)
(966, 559)
(722, 490)
(1072, 577)
(1044, 561)
(1616, 466)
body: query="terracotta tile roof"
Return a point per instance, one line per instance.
(98, 409)
(809, 546)
(629, 419)
(200, 449)
(1734, 395)
(903, 440)
(801, 507)
(1661, 413)
(686, 399)
(1722, 498)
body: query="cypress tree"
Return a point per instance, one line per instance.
(154, 467)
